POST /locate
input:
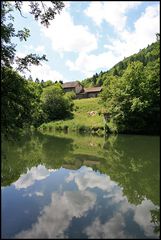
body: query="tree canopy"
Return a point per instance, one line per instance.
(133, 100)
(56, 105)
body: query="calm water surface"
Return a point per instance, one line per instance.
(80, 187)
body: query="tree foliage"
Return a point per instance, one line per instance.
(56, 105)
(133, 100)
(20, 101)
(41, 12)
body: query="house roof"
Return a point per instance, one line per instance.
(69, 84)
(94, 89)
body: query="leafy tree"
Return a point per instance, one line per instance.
(48, 83)
(42, 83)
(55, 104)
(30, 78)
(20, 98)
(60, 81)
(94, 79)
(99, 82)
(20, 101)
(37, 80)
(133, 99)
(115, 72)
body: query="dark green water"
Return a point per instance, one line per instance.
(80, 187)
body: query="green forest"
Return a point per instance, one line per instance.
(131, 89)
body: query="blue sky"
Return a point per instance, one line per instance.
(88, 37)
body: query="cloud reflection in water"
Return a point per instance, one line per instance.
(56, 218)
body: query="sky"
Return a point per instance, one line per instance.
(87, 37)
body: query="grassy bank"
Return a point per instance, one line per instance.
(87, 117)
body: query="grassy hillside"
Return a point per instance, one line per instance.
(87, 117)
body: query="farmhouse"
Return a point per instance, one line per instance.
(72, 86)
(80, 91)
(92, 92)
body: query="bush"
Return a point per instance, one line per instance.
(70, 95)
(56, 105)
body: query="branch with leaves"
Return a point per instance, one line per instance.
(41, 11)
(26, 62)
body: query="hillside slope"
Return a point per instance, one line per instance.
(86, 118)
(146, 55)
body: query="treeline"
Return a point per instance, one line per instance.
(44, 83)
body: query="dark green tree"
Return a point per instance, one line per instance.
(20, 101)
(30, 78)
(55, 104)
(37, 80)
(17, 110)
(133, 100)
(42, 83)
(115, 72)
(60, 81)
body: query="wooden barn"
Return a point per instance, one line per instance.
(72, 86)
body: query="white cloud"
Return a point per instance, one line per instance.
(111, 229)
(23, 54)
(45, 72)
(113, 13)
(66, 36)
(147, 25)
(40, 48)
(89, 63)
(56, 217)
(95, 11)
(32, 175)
(39, 194)
(28, 48)
(144, 32)
(26, 7)
(89, 179)
(125, 44)
(143, 217)
(114, 228)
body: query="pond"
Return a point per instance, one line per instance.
(74, 186)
